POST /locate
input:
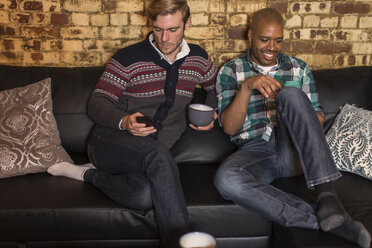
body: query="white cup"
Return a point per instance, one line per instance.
(197, 240)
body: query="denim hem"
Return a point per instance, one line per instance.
(87, 176)
(316, 226)
(312, 183)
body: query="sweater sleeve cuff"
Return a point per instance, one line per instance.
(120, 126)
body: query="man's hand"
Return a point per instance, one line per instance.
(138, 129)
(267, 85)
(233, 117)
(205, 128)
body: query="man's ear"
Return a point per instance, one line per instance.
(188, 23)
(250, 35)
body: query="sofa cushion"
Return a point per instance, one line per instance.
(202, 147)
(29, 138)
(350, 141)
(345, 85)
(40, 207)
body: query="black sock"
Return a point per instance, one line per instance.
(330, 211)
(325, 187)
(353, 231)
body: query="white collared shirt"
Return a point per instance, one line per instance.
(185, 50)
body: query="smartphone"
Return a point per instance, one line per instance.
(145, 119)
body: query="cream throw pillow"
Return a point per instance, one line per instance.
(350, 140)
(29, 138)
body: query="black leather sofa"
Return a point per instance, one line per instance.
(39, 210)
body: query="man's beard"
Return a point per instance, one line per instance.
(173, 50)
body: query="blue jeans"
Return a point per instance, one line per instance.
(140, 173)
(245, 176)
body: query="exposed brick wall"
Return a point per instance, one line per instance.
(326, 34)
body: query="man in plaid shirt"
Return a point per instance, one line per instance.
(234, 73)
(278, 130)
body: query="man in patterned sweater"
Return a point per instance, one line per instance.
(155, 78)
(275, 127)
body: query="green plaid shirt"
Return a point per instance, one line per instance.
(261, 112)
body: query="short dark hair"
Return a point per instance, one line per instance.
(269, 15)
(165, 7)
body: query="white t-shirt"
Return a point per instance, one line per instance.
(266, 69)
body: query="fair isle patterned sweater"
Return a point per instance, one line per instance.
(136, 79)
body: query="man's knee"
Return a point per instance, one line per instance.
(292, 97)
(144, 200)
(140, 200)
(289, 94)
(221, 182)
(226, 183)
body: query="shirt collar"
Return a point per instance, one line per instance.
(266, 69)
(185, 50)
(282, 63)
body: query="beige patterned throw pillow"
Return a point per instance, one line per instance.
(350, 140)
(29, 138)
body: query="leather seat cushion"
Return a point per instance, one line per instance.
(41, 207)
